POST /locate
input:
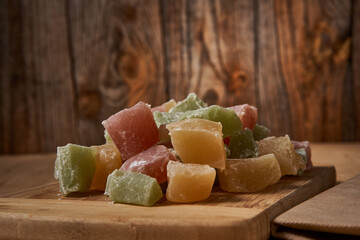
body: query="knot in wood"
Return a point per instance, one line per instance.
(129, 65)
(324, 37)
(239, 80)
(89, 104)
(128, 13)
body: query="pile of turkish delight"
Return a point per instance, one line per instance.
(179, 149)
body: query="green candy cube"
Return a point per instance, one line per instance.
(243, 145)
(229, 120)
(191, 102)
(260, 132)
(133, 187)
(75, 167)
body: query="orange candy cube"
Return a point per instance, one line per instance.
(107, 160)
(189, 182)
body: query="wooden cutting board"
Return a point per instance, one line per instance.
(42, 213)
(312, 218)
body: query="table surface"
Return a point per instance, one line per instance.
(20, 172)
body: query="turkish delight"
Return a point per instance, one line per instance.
(75, 167)
(107, 160)
(132, 130)
(177, 148)
(249, 174)
(152, 162)
(243, 145)
(198, 141)
(191, 102)
(305, 145)
(189, 182)
(107, 137)
(229, 120)
(290, 162)
(247, 114)
(260, 132)
(133, 187)
(165, 107)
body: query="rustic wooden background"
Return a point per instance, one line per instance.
(68, 64)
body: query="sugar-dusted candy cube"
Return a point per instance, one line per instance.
(249, 174)
(132, 130)
(107, 137)
(247, 114)
(260, 132)
(243, 145)
(169, 104)
(191, 102)
(198, 141)
(302, 152)
(75, 167)
(290, 162)
(306, 146)
(189, 182)
(165, 107)
(152, 162)
(107, 160)
(229, 120)
(133, 187)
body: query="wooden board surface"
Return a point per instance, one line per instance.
(22, 172)
(43, 213)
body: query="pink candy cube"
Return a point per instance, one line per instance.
(132, 130)
(247, 114)
(152, 162)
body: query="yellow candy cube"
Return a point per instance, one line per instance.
(107, 160)
(198, 141)
(169, 104)
(249, 174)
(290, 162)
(189, 182)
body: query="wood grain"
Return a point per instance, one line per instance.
(223, 214)
(18, 173)
(273, 97)
(354, 86)
(117, 58)
(314, 215)
(108, 221)
(67, 65)
(345, 158)
(37, 95)
(314, 57)
(204, 50)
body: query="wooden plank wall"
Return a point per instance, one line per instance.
(67, 65)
